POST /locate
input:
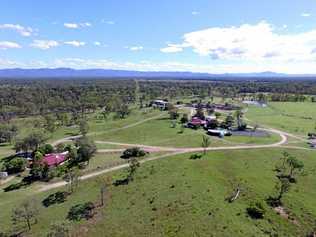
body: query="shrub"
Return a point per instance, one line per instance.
(133, 152)
(2, 234)
(81, 211)
(195, 156)
(15, 165)
(256, 210)
(55, 198)
(59, 229)
(13, 187)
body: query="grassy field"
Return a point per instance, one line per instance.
(296, 118)
(181, 197)
(25, 126)
(106, 160)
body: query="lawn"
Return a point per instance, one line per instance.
(177, 196)
(158, 132)
(297, 118)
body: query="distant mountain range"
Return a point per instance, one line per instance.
(107, 73)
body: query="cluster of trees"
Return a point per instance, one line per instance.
(7, 133)
(69, 100)
(30, 142)
(31, 145)
(42, 97)
(287, 170)
(289, 97)
(78, 155)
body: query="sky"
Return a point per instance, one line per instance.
(225, 36)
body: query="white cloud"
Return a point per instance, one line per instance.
(75, 43)
(71, 25)
(194, 13)
(77, 25)
(44, 44)
(305, 14)
(172, 48)
(135, 48)
(9, 45)
(249, 43)
(99, 44)
(24, 31)
(107, 22)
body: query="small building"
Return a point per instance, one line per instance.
(255, 103)
(26, 155)
(53, 160)
(160, 104)
(3, 175)
(312, 143)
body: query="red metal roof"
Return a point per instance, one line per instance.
(54, 159)
(197, 121)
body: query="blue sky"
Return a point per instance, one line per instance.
(169, 35)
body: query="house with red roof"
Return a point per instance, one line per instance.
(55, 159)
(196, 122)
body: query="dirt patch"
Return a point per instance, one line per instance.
(283, 213)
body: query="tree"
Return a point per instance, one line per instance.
(255, 127)
(295, 166)
(239, 115)
(46, 149)
(206, 142)
(50, 123)
(72, 178)
(105, 113)
(86, 150)
(59, 229)
(217, 115)
(21, 145)
(282, 186)
(103, 184)
(286, 170)
(289, 166)
(184, 119)
(26, 212)
(30, 142)
(133, 166)
(83, 127)
(173, 112)
(64, 118)
(229, 121)
(200, 111)
(7, 133)
(39, 170)
(60, 147)
(15, 165)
